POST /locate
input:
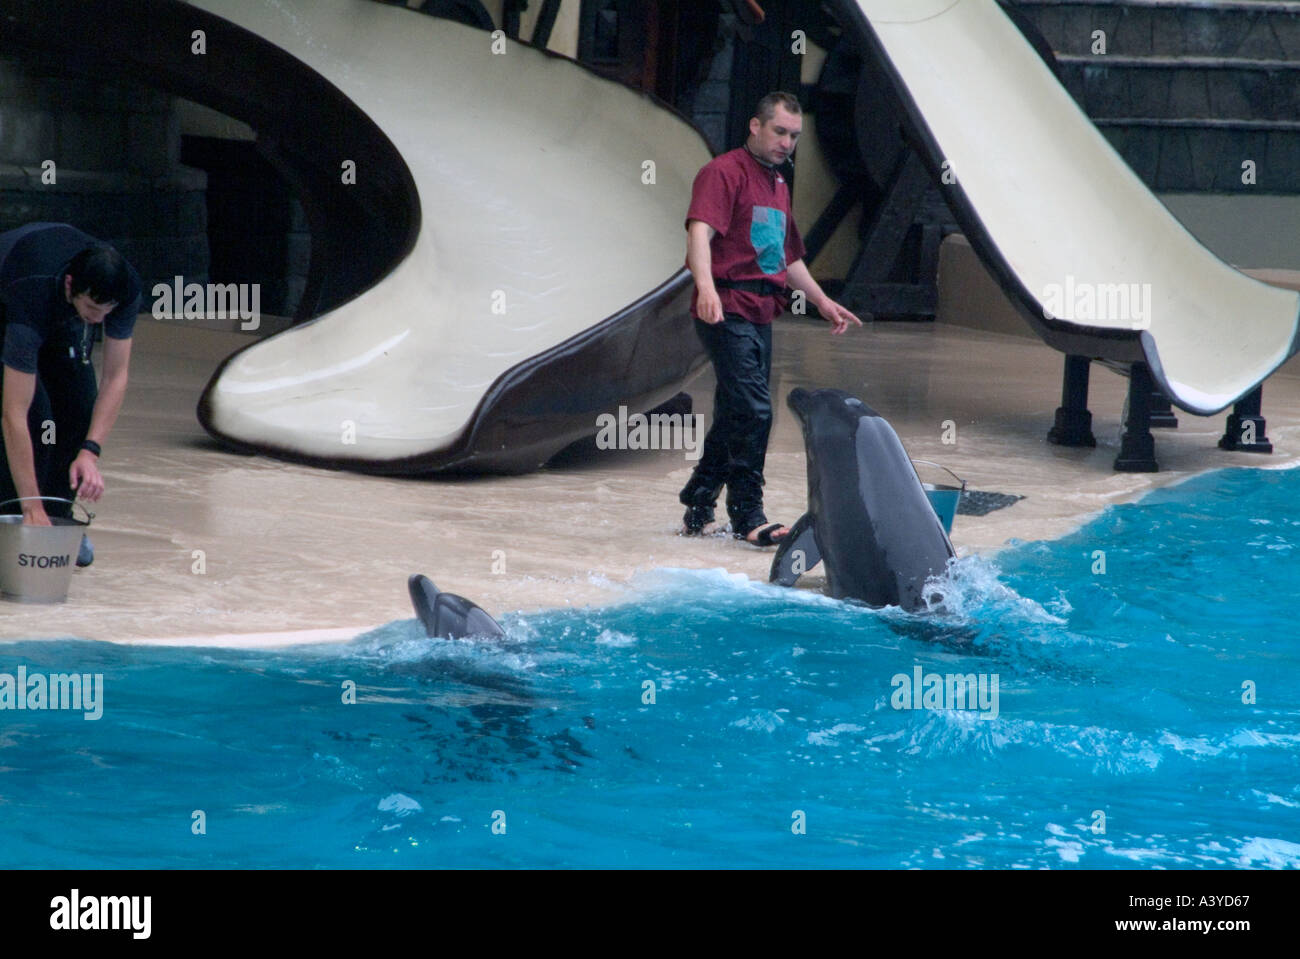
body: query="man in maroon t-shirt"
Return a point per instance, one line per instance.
(743, 248)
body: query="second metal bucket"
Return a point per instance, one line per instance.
(36, 562)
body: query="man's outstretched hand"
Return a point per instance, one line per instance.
(838, 317)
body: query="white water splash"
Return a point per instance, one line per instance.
(399, 804)
(970, 589)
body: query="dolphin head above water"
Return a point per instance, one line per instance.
(868, 517)
(448, 616)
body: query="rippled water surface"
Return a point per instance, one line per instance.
(1146, 713)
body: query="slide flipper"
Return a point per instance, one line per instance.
(797, 554)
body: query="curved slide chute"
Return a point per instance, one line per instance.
(545, 284)
(505, 265)
(1097, 263)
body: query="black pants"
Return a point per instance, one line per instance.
(736, 446)
(65, 397)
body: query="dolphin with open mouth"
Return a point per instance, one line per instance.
(868, 517)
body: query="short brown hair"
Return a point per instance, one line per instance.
(766, 108)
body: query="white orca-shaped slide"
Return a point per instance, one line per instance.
(1068, 229)
(497, 231)
(545, 280)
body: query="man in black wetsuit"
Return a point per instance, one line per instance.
(56, 285)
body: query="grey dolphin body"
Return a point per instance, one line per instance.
(448, 616)
(868, 516)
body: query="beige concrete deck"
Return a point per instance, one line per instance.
(288, 548)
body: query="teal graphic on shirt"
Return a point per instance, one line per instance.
(767, 234)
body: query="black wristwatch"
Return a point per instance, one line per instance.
(93, 447)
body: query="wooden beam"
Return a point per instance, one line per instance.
(545, 23)
(904, 196)
(831, 217)
(510, 18)
(890, 299)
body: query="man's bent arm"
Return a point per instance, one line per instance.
(19, 388)
(698, 255)
(699, 258)
(112, 391)
(798, 278)
(84, 475)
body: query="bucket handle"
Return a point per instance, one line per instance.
(923, 463)
(56, 499)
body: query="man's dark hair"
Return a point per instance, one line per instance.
(766, 108)
(102, 273)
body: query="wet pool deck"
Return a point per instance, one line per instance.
(291, 554)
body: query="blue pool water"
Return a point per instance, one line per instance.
(1121, 737)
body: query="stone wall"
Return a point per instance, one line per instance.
(257, 229)
(1186, 92)
(105, 158)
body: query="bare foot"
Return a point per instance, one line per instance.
(769, 534)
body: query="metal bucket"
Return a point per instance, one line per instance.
(36, 562)
(942, 497)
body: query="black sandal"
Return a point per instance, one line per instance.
(764, 535)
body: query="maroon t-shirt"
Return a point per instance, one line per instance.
(749, 205)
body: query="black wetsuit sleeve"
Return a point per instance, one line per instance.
(23, 303)
(21, 347)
